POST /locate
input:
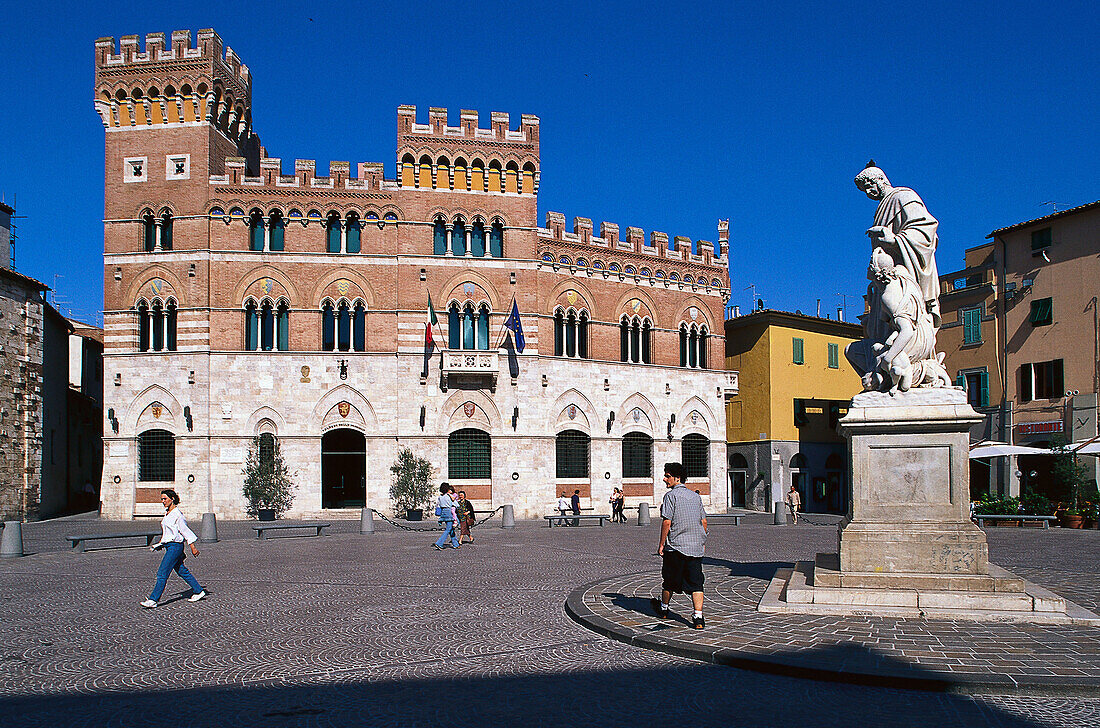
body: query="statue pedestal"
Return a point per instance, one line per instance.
(908, 547)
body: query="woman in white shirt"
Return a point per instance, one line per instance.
(174, 532)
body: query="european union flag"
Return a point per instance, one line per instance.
(512, 324)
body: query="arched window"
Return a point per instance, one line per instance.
(572, 459)
(496, 239)
(582, 336)
(559, 333)
(333, 232)
(624, 339)
(631, 270)
(637, 455)
(483, 328)
(408, 173)
(424, 175)
(343, 327)
(798, 462)
(478, 180)
(267, 326)
(282, 327)
(511, 178)
(439, 237)
(469, 455)
(166, 231)
(359, 327)
(695, 455)
(276, 228)
(683, 345)
(251, 326)
(495, 177)
(458, 237)
(256, 231)
(156, 456)
(442, 174)
(158, 326)
(693, 347)
(328, 327)
(454, 328)
(571, 334)
(468, 327)
(477, 239)
(353, 233)
(148, 232)
(145, 322)
(703, 347)
(462, 181)
(170, 326)
(528, 186)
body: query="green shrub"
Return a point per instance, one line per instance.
(267, 484)
(988, 506)
(1036, 504)
(412, 481)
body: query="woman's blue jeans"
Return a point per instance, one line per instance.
(448, 533)
(173, 561)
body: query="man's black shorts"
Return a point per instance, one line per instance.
(681, 574)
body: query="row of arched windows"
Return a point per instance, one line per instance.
(343, 326)
(468, 327)
(267, 325)
(629, 270)
(157, 325)
(474, 176)
(474, 240)
(156, 231)
(635, 335)
(571, 334)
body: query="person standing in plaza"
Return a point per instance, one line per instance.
(616, 501)
(173, 533)
(575, 502)
(445, 510)
(683, 540)
(465, 517)
(563, 508)
(794, 503)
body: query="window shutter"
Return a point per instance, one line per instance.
(1025, 383)
(985, 389)
(834, 356)
(797, 346)
(960, 380)
(1058, 383)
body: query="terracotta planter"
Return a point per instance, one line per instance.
(1067, 520)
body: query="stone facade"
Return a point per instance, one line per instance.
(226, 283)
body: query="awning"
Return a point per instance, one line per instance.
(994, 449)
(1086, 447)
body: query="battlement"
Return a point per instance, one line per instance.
(128, 53)
(634, 240)
(370, 175)
(499, 126)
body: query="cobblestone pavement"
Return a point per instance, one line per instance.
(383, 630)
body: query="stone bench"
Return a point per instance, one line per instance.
(724, 518)
(1045, 520)
(77, 542)
(574, 517)
(265, 527)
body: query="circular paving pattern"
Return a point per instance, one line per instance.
(927, 654)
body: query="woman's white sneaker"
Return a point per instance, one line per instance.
(149, 604)
(196, 597)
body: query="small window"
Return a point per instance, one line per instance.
(972, 326)
(135, 169)
(977, 388)
(177, 166)
(469, 455)
(695, 455)
(156, 456)
(572, 454)
(1041, 239)
(1042, 312)
(637, 455)
(834, 356)
(798, 351)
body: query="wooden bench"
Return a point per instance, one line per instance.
(568, 517)
(264, 527)
(78, 541)
(1045, 520)
(725, 518)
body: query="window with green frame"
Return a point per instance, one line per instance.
(972, 326)
(976, 384)
(798, 347)
(834, 356)
(468, 455)
(1042, 312)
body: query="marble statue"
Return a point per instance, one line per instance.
(898, 350)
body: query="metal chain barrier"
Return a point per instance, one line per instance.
(803, 518)
(434, 528)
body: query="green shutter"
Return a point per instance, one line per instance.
(798, 347)
(960, 380)
(1042, 312)
(834, 356)
(985, 389)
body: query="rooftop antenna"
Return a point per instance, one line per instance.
(1053, 204)
(844, 303)
(752, 306)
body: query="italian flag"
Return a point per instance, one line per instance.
(429, 338)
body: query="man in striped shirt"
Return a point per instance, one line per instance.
(683, 539)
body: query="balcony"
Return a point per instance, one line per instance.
(472, 368)
(732, 386)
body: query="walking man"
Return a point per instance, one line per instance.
(683, 538)
(794, 503)
(575, 501)
(563, 508)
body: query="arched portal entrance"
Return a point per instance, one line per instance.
(343, 469)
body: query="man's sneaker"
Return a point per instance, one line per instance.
(698, 623)
(149, 604)
(196, 597)
(658, 609)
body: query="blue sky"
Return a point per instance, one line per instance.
(652, 115)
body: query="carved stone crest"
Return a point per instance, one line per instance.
(343, 286)
(305, 375)
(157, 411)
(637, 414)
(693, 312)
(344, 408)
(571, 410)
(571, 296)
(469, 289)
(468, 409)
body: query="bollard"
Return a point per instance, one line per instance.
(643, 514)
(209, 528)
(366, 520)
(508, 517)
(11, 539)
(780, 513)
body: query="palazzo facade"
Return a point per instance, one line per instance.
(244, 306)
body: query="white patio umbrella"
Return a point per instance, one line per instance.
(1086, 447)
(994, 449)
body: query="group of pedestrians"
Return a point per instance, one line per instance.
(456, 515)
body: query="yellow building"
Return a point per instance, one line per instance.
(781, 426)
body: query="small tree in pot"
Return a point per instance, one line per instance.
(268, 488)
(412, 484)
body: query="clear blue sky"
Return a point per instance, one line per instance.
(652, 115)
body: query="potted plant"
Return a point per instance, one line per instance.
(411, 488)
(990, 506)
(1071, 477)
(268, 488)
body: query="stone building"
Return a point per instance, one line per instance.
(244, 307)
(781, 424)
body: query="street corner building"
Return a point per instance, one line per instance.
(245, 306)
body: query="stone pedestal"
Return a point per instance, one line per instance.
(908, 547)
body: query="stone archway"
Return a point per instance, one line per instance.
(343, 468)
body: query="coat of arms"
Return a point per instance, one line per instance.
(344, 408)
(267, 285)
(571, 296)
(157, 410)
(694, 313)
(637, 415)
(635, 304)
(572, 411)
(469, 289)
(468, 409)
(694, 418)
(343, 286)
(156, 286)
